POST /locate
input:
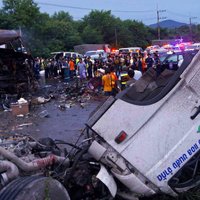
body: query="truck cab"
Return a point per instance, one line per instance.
(148, 136)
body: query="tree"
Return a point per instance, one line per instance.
(103, 22)
(44, 33)
(91, 35)
(23, 13)
(115, 31)
(62, 16)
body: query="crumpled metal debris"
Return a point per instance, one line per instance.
(6, 107)
(74, 94)
(22, 100)
(25, 124)
(44, 114)
(40, 100)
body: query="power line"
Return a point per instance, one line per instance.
(83, 8)
(63, 6)
(134, 11)
(113, 11)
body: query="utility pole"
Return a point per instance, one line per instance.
(190, 25)
(158, 21)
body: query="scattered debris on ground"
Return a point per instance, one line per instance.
(26, 113)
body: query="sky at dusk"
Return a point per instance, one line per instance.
(141, 10)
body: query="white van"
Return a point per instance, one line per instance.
(66, 54)
(95, 54)
(128, 50)
(195, 46)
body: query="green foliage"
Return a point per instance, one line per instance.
(103, 23)
(59, 32)
(62, 16)
(91, 35)
(23, 13)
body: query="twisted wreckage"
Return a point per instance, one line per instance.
(16, 65)
(143, 142)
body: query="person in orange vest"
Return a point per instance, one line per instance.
(114, 81)
(71, 68)
(144, 65)
(107, 82)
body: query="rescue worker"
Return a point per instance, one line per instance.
(157, 64)
(123, 79)
(106, 82)
(71, 68)
(114, 81)
(149, 61)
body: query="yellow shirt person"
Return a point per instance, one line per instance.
(107, 83)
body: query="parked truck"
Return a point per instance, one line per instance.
(143, 142)
(83, 48)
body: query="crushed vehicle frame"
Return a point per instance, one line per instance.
(16, 65)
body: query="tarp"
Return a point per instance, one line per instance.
(7, 36)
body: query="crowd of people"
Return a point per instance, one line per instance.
(112, 74)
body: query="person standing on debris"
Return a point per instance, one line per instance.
(37, 68)
(107, 82)
(117, 65)
(47, 69)
(157, 64)
(134, 63)
(114, 81)
(71, 68)
(81, 66)
(95, 67)
(62, 67)
(144, 65)
(55, 68)
(139, 63)
(89, 68)
(149, 61)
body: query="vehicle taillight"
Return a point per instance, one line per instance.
(121, 137)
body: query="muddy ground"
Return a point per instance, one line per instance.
(63, 116)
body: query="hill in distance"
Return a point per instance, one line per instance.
(168, 24)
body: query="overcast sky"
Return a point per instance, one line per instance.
(141, 10)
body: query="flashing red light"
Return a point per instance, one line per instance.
(166, 45)
(121, 137)
(114, 50)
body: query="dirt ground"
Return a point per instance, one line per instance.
(62, 117)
